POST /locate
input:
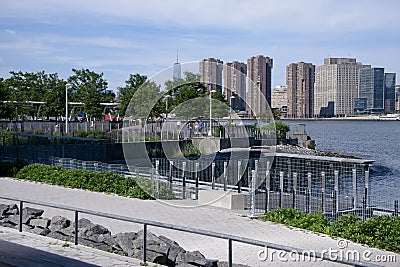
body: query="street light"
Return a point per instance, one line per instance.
(67, 87)
(166, 105)
(210, 130)
(230, 110)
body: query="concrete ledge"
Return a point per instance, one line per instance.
(222, 199)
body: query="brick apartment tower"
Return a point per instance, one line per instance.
(300, 79)
(235, 84)
(211, 73)
(258, 98)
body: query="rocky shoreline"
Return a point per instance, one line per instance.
(160, 249)
(307, 151)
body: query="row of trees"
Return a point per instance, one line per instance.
(22, 88)
(139, 97)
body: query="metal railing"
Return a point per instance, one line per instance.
(146, 223)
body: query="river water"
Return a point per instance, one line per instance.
(375, 140)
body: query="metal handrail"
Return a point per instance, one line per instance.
(146, 223)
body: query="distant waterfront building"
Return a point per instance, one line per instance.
(177, 68)
(390, 92)
(371, 87)
(211, 73)
(300, 88)
(279, 98)
(259, 70)
(235, 84)
(336, 86)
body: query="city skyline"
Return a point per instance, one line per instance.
(123, 37)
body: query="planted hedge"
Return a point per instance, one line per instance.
(380, 231)
(107, 182)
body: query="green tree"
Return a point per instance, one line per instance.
(25, 88)
(146, 102)
(126, 93)
(89, 88)
(278, 126)
(5, 107)
(54, 96)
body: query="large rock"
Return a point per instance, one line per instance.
(3, 209)
(58, 223)
(82, 223)
(13, 210)
(59, 236)
(125, 242)
(32, 211)
(191, 257)
(174, 250)
(39, 231)
(157, 249)
(42, 222)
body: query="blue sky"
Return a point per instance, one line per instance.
(122, 37)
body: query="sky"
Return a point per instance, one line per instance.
(122, 37)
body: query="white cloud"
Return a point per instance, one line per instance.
(254, 15)
(12, 32)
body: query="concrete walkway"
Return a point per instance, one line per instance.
(206, 217)
(30, 250)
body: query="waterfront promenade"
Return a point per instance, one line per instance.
(206, 217)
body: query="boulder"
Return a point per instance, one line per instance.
(13, 210)
(58, 222)
(82, 223)
(4, 209)
(59, 236)
(39, 231)
(125, 242)
(32, 211)
(174, 249)
(42, 222)
(191, 257)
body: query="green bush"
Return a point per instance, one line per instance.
(107, 182)
(381, 231)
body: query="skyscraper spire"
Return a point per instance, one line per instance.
(177, 68)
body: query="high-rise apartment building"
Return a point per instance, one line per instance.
(259, 70)
(279, 99)
(336, 87)
(211, 73)
(390, 92)
(371, 87)
(300, 88)
(235, 84)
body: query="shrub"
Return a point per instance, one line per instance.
(380, 231)
(107, 182)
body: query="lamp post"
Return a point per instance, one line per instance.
(230, 110)
(166, 105)
(210, 130)
(67, 87)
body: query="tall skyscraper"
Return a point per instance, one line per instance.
(259, 70)
(211, 73)
(336, 87)
(371, 87)
(235, 84)
(177, 68)
(390, 92)
(300, 88)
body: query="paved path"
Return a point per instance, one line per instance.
(206, 217)
(30, 250)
